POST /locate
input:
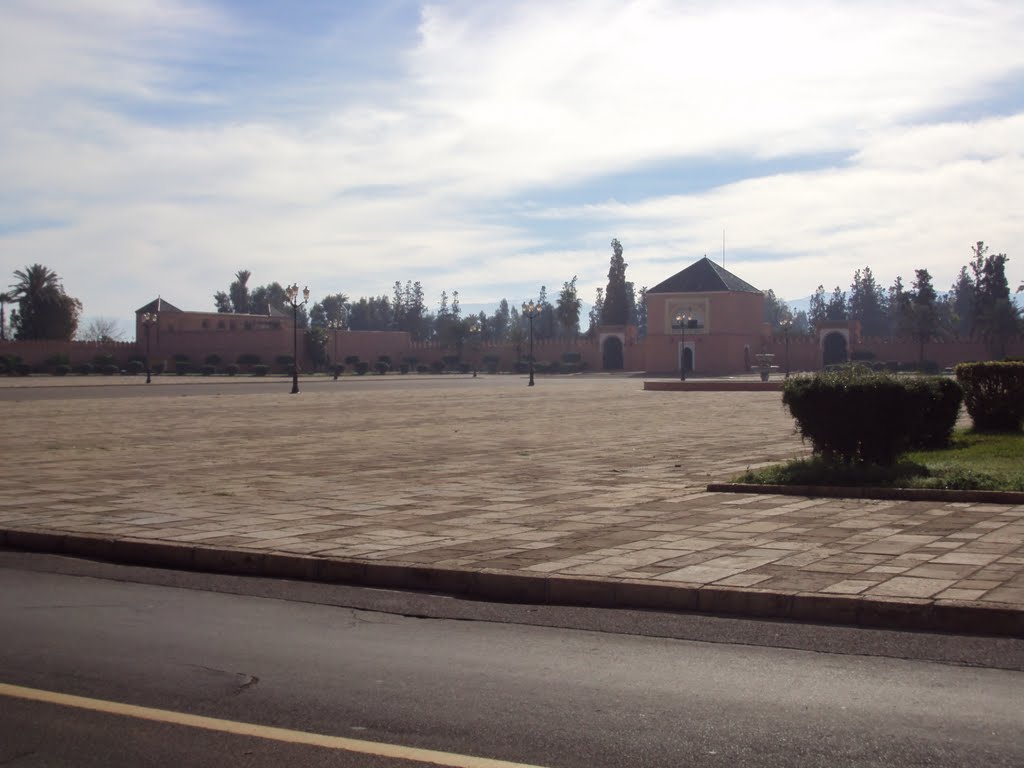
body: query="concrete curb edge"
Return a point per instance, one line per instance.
(504, 586)
(859, 492)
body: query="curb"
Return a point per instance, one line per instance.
(713, 386)
(886, 494)
(506, 586)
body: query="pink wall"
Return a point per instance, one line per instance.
(37, 353)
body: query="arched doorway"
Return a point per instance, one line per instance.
(611, 354)
(834, 349)
(686, 359)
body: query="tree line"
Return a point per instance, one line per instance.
(405, 309)
(978, 304)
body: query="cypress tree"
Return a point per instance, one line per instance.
(615, 310)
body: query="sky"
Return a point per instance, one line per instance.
(156, 147)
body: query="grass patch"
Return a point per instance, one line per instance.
(975, 461)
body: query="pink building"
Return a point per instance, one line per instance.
(705, 319)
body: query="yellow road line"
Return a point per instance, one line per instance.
(395, 751)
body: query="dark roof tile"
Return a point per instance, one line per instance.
(703, 276)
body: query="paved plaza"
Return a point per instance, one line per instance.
(586, 476)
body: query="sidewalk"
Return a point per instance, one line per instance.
(584, 490)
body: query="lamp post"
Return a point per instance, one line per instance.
(335, 326)
(531, 311)
(681, 320)
(786, 324)
(474, 340)
(148, 318)
(291, 295)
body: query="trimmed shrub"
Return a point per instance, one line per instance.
(437, 366)
(403, 368)
(411, 361)
(855, 416)
(571, 358)
(362, 367)
(213, 359)
(85, 369)
(135, 367)
(181, 368)
(383, 367)
(208, 370)
(422, 368)
(157, 368)
(384, 359)
(259, 370)
(58, 359)
(352, 360)
(61, 370)
(110, 369)
(248, 358)
(994, 394)
(101, 359)
(935, 407)
(285, 361)
(231, 369)
(22, 369)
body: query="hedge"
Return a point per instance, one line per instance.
(856, 416)
(994, 394)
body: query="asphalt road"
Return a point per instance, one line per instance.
(525, 684)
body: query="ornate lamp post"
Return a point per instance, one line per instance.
(148, 318)
(681, 320)
(291, 295)
(335, 326)
(786, 324)
(474, 340)
(531, 311)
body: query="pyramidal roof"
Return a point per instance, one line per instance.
(703, 276)
(158, 305)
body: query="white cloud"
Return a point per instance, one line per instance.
(412, 180)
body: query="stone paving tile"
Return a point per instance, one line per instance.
(541, 480)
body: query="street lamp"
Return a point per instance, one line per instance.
(531, 311)
(474, 340)
(335, 325)
(291, 295)
(786, 324)
(681, 320)
(148, 318)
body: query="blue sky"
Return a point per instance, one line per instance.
(158, 146)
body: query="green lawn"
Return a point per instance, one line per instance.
(975, 461)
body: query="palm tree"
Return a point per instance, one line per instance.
(44, 310)
(239, 292)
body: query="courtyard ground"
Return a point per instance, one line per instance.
(580, 489)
